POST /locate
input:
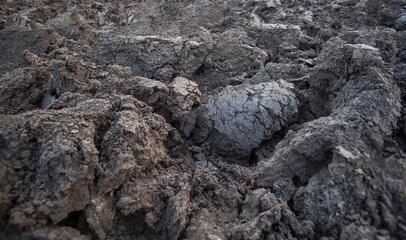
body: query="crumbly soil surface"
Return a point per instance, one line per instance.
(202, 119)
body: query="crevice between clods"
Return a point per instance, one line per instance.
(77, 220)
(101, 131)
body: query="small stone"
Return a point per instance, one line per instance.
(74, 131)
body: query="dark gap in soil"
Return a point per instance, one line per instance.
(266, 148)
(72, 220)
(100, 132)
(195, 106)
(77, 220)
(253, 159)
(3, 147)
(98, 140)
(296, 181)
(176, 124)
(291, 204)
(400, 135)
(275, 228)
(200, 71)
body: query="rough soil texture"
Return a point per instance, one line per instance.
(203, 119)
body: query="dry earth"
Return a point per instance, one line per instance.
(202, 119)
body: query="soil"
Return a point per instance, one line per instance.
(238, 119)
